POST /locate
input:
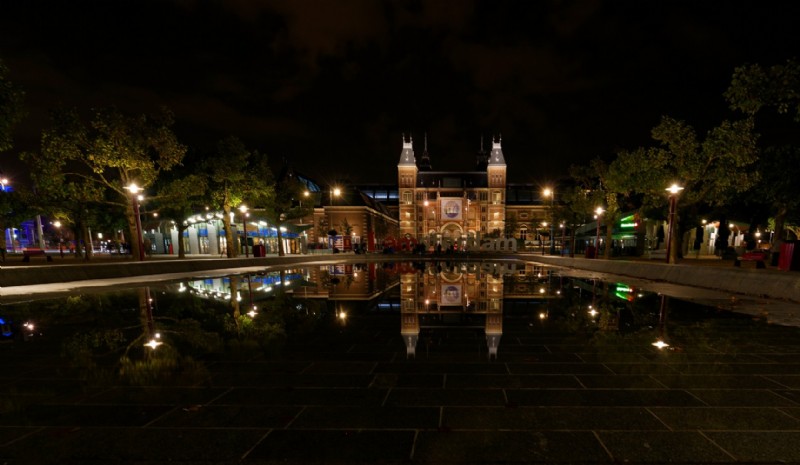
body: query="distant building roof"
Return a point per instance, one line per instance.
(453, 179)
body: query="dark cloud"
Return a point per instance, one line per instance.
(332, 85)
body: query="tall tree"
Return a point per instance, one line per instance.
(180, 197)
(284, 203)
(11, 109)
(575, 210)
(753, 89)
(599, 183)
(711, 170)
(236, 174)
(96, 161)
(14, 208)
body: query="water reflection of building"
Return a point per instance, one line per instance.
(253, 287)
(446, 294)
(347, 282)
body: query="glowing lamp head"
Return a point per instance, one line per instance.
(674, 189)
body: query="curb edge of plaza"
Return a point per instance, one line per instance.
(760, 283)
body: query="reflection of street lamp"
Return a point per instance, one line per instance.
(599, 215)
(550, 193)
(134, 190)
(243, 209)
(673, 190)
(662, 323)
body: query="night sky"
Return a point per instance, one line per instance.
(332, 85)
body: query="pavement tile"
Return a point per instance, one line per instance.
(85, 415)
(414, 366)
(600, 397)
(619, 381)
(248, 379)
(131, 445)
(558, 368)
(640, 368)
(509, 447)
(742, 398)
(716, 382)
(333, 447)
(726, 419)
(782, 357)
(512, 381)
(389, 417)
(793, 412)
(340, 368)
(688, 358)
(789, 381)
(739, 368)
(594, 357)
(506, 354)
(760, 447)
(550, 418)
(303, 396)
(13, 433)
(661, 447)
(258, 367)
(390, 380)
(229, 416)
(444, 397)
(155, 395)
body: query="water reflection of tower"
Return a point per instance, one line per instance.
(494, 312)
(449, 295)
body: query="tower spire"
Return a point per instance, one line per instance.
(407, 153)
(496, 157)
(482, 158)
(425, 161)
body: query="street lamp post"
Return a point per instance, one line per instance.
(673, 190)
(544, 223)
(550, 193)
(134, 190)
(243, 209)
(563, 237)
(57, 225)
(599, 213)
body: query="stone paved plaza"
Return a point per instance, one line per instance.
(727, 391)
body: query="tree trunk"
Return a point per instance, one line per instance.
(181, 249)
(780, 222)
(133, 231)
(88, 242)
(234, 283)
(231, 247)
(281, 252)
(3, 244)
(572, 248)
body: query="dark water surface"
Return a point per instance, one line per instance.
(405, 363)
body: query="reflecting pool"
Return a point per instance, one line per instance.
(435, 362)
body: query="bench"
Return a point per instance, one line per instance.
(757, 256)
(28, 253)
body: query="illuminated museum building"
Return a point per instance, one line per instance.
(451, 207)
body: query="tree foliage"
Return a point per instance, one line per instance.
(11, 108)
(178, 198)
(93, 162)
(236, 174)
(754, 88)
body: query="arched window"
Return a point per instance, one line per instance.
(523, 233)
